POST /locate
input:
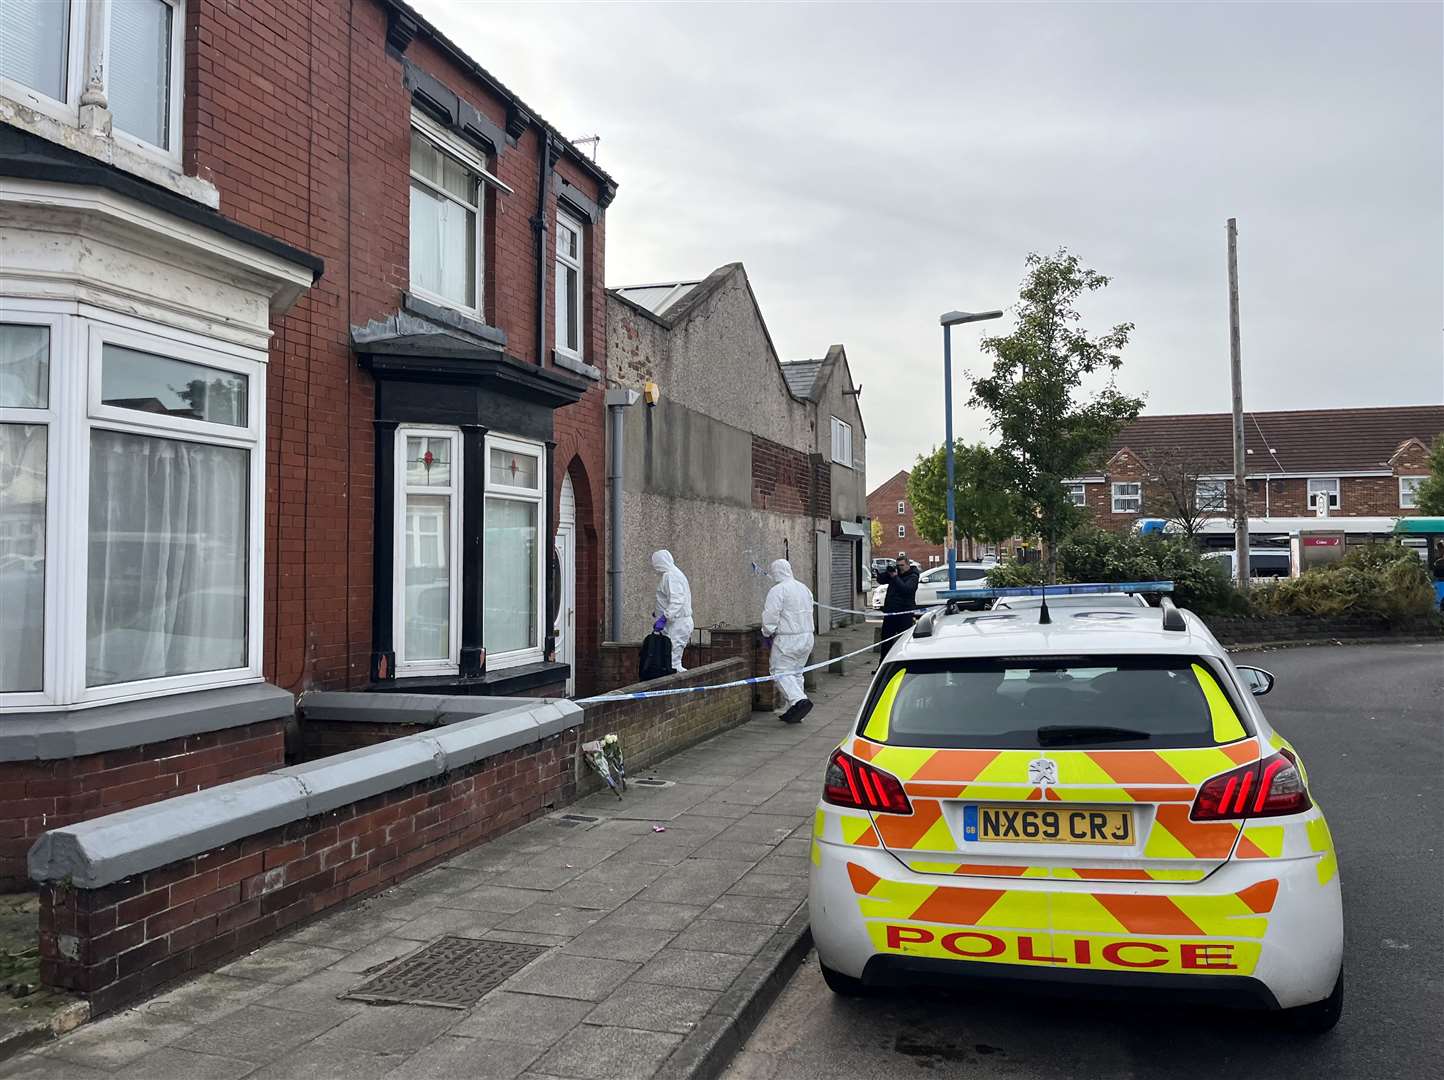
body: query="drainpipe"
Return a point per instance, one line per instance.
(617, 400)
(539, 227)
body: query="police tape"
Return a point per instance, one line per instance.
(754, 680)
(874, 611)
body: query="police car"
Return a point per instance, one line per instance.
(1078, 794)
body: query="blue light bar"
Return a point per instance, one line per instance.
(1060, 590)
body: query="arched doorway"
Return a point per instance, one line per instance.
(566, 545)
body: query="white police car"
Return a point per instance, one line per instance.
(1090, 796)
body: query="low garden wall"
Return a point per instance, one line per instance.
(617, 661)
(134, 900)
(1270, 629)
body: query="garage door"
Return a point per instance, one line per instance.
(841, 580)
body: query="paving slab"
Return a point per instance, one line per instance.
(609, 1053)
(560, 975)
(532, 1019)
(453, 1057)
(652, 1007)
(173, 1063)
(614, 942)
(256, 1033)
(699, 969)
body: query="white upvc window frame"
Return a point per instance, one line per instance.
(1077, 492)
(472, 159)
(1412, 484)
(902, 532)
(538, 495)
(577, 300)
(84, 51)
(451, 665)
(1131, 502)
(1336, 493)
(902, 506)
(841, 442)
(1210, 495)
(79, 334)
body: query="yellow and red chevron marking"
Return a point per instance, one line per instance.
(1062, 873)
(1237, 914)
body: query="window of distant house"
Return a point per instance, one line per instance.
(902, 532)
(1127, 497)
(426, 571)
(514, 553)
(155, 531)
(446, 217)
(1210, 496)
(1077, 494)
(1409, 492)
(901, 506)
(841, 442)
(569, 286)
(48, 52)
(1324, 488)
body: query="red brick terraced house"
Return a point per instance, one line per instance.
(890, 506)
(301, 362)
(1365, 462)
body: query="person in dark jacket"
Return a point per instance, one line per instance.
(900, 600)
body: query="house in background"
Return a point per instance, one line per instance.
(742, 460)
(228, 476)
(1364, 462)
(890, 506)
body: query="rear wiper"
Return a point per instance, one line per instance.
(1055, 734)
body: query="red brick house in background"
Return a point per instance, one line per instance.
(301, 353)
(890, 505)
(1366, 462)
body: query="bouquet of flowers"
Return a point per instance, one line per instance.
(604, 755)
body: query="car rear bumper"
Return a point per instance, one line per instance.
(1272, 929)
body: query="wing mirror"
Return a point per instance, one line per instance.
(1258, 681)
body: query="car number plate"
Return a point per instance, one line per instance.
(1047, 825)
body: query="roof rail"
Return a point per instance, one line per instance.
(924, 626)
(1172, 617)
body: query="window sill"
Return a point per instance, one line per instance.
(575, 363)
(501, 683)
(48, 736)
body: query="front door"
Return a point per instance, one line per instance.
(566, 544)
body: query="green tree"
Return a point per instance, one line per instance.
(982, 500)
(1429, 499)
(1049, 426)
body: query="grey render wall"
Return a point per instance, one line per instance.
(688, 481)
(849, 486)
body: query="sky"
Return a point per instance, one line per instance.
(876, 165)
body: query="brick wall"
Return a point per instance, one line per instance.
(116, 943)
(781, 477)
(882, 507)
(40, 795)
(654, 729)
(296, 111)
(617, 661)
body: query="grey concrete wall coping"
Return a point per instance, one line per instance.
(94, 853)
(428, 710)
(47, 736)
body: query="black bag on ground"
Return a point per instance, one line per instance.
(655, 657)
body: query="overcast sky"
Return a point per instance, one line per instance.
(874, 166)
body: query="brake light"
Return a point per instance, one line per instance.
(856, 784)
(1268, 788)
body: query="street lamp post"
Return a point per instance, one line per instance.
(949, 320)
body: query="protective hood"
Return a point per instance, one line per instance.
(662, 561)
(780, 571)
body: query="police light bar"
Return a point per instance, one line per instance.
(1059, 590)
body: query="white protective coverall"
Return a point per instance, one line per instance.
(787, 620)
(674, 603)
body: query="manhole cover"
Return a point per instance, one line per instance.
(654, 783)
(452, 972)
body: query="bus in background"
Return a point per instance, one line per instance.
(1426, 536)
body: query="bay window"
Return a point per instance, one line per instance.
(131, 50)
(569, 286)
(427, 573)
(514, 552)
(130, 475)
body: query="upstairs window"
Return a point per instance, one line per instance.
(1324, 488)
(1211, 495)
(901, 506)
(48, 48)
(841, 442)
(569, 286)
(902, 532)
(1409, 492)
(1127, 497)
(1077, 494)
(446, 218)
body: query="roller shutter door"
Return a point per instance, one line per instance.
(841, 581)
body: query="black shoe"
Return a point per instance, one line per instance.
(803, 707)
(789, 715)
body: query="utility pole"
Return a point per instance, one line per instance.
(1240, 487)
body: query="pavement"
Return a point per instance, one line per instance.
(1368, 720)
(661, 922)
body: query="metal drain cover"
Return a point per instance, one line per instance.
(451, 972)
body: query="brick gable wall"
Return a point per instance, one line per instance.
(882, 507)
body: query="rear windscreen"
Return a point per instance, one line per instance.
(1052, 703)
